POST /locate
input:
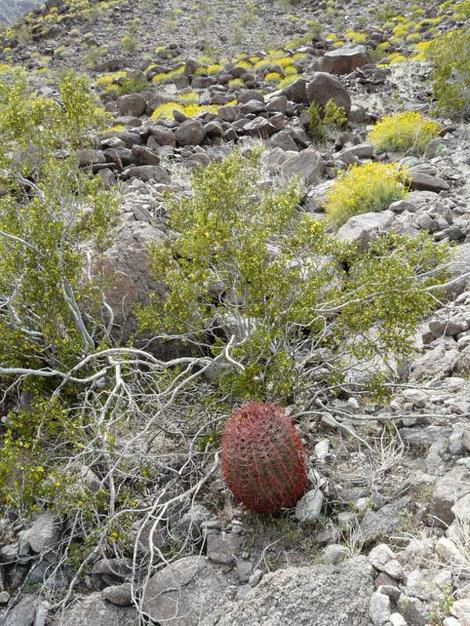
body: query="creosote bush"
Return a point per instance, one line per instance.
(263, 458)
(404, 132)
(364, 188)
(451, 72)
(246, 267)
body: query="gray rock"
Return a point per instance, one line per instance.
(23, 613)
(318, 596)
(189, 133)
(379, 524)
(4, 597)
(147, 173)
(397, 620)
(132, 104)
(309, 507)
(413, 611)
(421, 181)
(449, 489)
(283, 139)
(163, 136)
(296, 91)
(334, 553)
(184, 592)
(383, 559)
(44, 533)
(436, 363)
(307, 165)
(92, 610)
(222, 547)
(324, 87)
(345, 59)
(364, 228)
(379, 609)
(120, 595)
(461, 610)
(191, 522)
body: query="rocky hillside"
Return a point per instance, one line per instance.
(213, 205)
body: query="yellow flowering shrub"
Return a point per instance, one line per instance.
(165, 110)
(365, 188)
(403, 132)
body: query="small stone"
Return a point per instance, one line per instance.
(255, 577)
(397, 620)
(334, 554)
(383, 559)
(451, 621)
(309, 506)
(44, 533)
(379, 609)
(461, 610)
(4, 597)
(120, 595)
(322, 450)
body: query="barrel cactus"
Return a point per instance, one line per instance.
(263, 458)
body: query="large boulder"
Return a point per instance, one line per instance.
(320, 595)
(324, 87)
(184, 592)
(344, 60)
(189, 133)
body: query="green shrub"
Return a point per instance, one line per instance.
(246, 264)
(321, 119)
(49, 212)
(364, 188)
(451, 73)
(404, 132)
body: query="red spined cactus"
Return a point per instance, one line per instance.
(263, 459)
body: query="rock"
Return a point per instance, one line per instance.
(192, 521)
(221, 548)
(115, 567)
(309, 507)
(436, 363)
(4, 597)
(319, 595)
(296, 91)
(449, 553)
(461, 510)
(145, 156)
(344, 60)
(451, 621)
(448, 490)
(402, 205)
(189, 133)
(461, 610)
(120, 595)
(283, 139)
(163, 136)
(306, 165)
(364, 228)
(324, 87)
(147, 173)
(376, 525)
(383, 559)
(425, 182)
(379, 609)
(92, 610)
(334, 553)
(23, 613)
(132, 105)
(126, 268)
(413, 611)
(397, 620)
(44, 533)
(361, 151)
(184, 592)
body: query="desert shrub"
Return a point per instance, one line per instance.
(321, 119)
(48, 212)
(247, 268)
(404, 132)
(364, 188)
(451, 72)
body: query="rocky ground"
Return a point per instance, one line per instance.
(383, 536)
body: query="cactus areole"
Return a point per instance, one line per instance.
(263, 458)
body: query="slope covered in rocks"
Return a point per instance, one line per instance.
(119, 515)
